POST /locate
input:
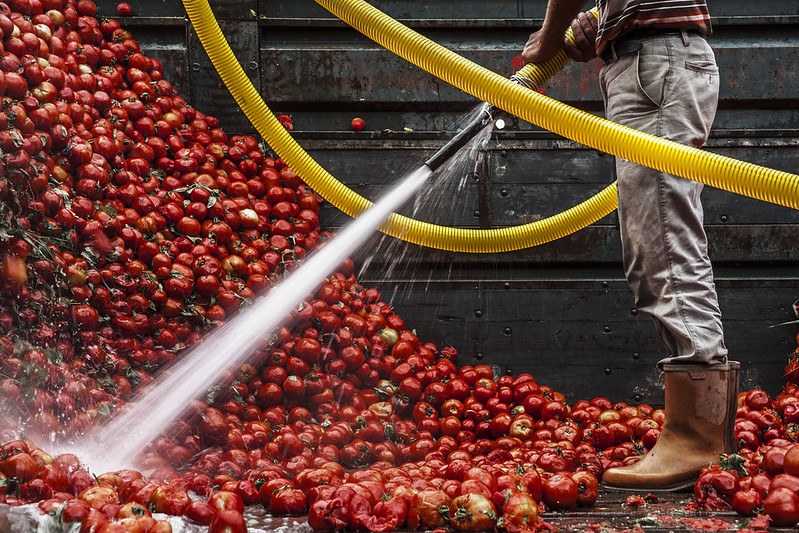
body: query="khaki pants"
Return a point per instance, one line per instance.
(669, 88)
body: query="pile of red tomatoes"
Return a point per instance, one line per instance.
(131, 225)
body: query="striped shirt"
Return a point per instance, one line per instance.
(617, 17)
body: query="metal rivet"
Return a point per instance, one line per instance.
(633, 311)
(636, 355)
(723, 218)
(605, 284)
(503, 193)
(252, 65)
(608, 371)
(606, 329)
(195, 67)
(477, 212)
(478, 313)
(506, 331)
(479, 356)
(506, 285)
(509, 372)
(637, 397)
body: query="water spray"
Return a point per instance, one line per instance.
(484, 119)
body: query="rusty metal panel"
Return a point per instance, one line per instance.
(143, 8)
(207, 90)
(768, 245)
(767, 8)
(340, 68)
(365, 74)
(404, 9)
(236, 9)
(532, 179)
(578, 331)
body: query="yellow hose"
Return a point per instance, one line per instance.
(350, 202)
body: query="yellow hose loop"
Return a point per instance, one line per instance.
(351, 203)
(743, 178)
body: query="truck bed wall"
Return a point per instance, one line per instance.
(561, 311)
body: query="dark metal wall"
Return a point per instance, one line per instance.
(562, 310)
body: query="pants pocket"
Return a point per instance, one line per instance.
(653, 77)
(703, 68)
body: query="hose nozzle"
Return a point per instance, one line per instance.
(485, 118)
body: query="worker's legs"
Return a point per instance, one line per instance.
(670, 90)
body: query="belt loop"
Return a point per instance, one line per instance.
(684, 35)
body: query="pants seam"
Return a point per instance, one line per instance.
(673, 283)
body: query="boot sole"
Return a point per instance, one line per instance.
(676, 487)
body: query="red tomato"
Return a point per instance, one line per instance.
(472, 486)
(458, 389)
(200, 512)
(226, 500)
(386, 516)
(99, 495)
(560, 492)
(746, 502)
(532, 481)
(519, 511)
(472, 512)
(288, 501)
(358, 124)
(132, 510)
(227, 521)
(715, 487)
(773, 460)
(74, 511)
(522, 427)
(782, 505)
(170, 499)
(757, 399)
(790, 463)
(587, 488)
(425, 510)
(21, 466)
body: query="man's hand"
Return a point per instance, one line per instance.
(584, 28)
(544, 43)
(538, 49)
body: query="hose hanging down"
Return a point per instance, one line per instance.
(757, 182)
(350, 202)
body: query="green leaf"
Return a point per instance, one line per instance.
(110, 210)
(90, 255)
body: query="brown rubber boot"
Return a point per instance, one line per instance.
(701, 403)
